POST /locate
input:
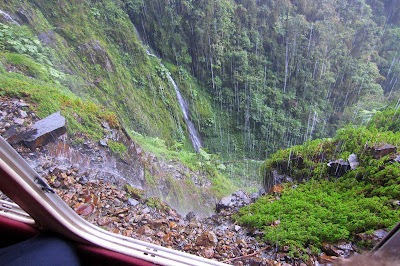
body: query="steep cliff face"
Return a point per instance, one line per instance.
(84, 59)
(92, 49)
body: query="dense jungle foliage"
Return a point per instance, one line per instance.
(279, 72)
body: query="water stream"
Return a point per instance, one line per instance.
(8, 17)
(193, 133)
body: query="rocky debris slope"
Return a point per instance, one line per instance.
(129, 213)
(183, 188)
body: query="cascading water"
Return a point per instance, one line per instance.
(193, 133)
(8, 17)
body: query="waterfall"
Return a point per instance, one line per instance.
(8, 17)
(193, 133)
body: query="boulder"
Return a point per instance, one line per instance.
(253, 197)
(338, 167)
(378, 151)
(261, 192)
(373, 238)
(353, 161)
(234, 201)
(42, 132)
(190, 216)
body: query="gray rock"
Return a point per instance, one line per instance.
(226, 200)
(261, 192)
(146, 210)
(19, 121)
(103, 143)
(41, 133)
(374, 238)
(190, 216)
(338, 167)
(23, 113)
(21, 104)
(353, 161)
(240, 194)
(133, 202)
(253, 197)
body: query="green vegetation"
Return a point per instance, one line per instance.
(203, 161)
(118, 148)
(327, 208)
(278, 72)
(134, 192)
(155, 202)
(46, 97)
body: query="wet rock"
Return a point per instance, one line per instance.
(338, 167)
(378, 151)
(331, 250)
(42, 132)
(85, 209)
(207, 239)
(234, 201)
(273, 177)
(373, 238)
(353, 161)
(158, 223)
(96, 54)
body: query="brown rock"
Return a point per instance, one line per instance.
(104, 221)
(85, 209)
(173, 225)
(160, 234)
(241, 243)
(207, 239)
(128, 232)
(158, 223)
(332, 250)
(208, 252)
(277, 189)
(378, 151)
(326, 259)
(144, 230)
